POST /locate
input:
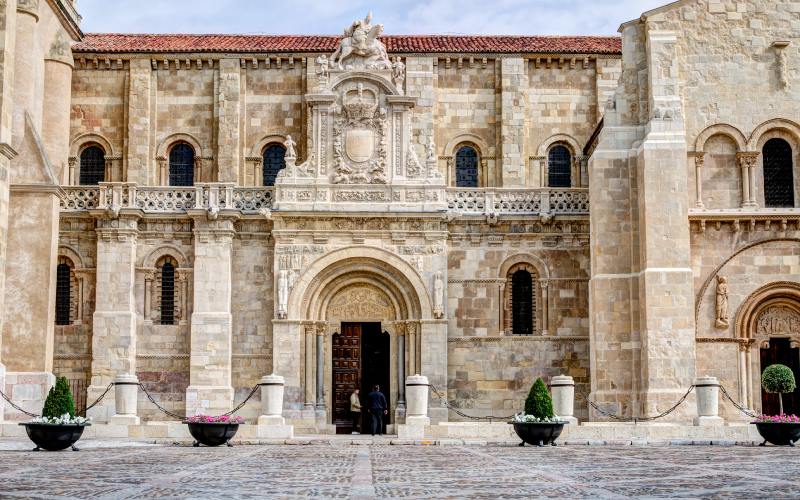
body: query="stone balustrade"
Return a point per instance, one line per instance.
(169, 199)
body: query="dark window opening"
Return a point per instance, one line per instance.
(559, 167)
(522, 303)
(467, 167)
(93, 166)
(168, 294)
(63, 294)
(274, 162)
(778, 174)
(181, 165)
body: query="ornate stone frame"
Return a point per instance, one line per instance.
(541, 275)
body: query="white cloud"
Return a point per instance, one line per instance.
(500, 17)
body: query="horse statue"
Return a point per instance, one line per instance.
(361, 42)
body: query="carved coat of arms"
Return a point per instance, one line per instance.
(360, 143)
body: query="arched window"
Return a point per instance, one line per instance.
(167, 302)
(559, 167)
(274, 162)
(778, 175)
(93, 166)
(522, 306)
(64, 292)
(181, 165)
(467, 167)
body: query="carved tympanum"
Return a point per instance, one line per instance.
(361, 302)
(778, 320)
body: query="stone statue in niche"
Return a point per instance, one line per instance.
(722, 303)
(283, 294)
(360, 47)
(438, 296)
(398, 74)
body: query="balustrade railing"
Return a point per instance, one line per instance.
(498, 201)
(168, 199)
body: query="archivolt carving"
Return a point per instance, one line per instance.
(360, 303)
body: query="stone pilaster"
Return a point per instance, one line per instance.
(210, 390)
(229, 111)
(433, 362)
(114, 320)
(513, 111)
(140, 149)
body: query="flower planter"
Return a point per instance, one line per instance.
(212, 433)
(538, 433)
(54, 437)
(779, 433)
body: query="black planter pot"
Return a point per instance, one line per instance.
(212, 434)
(778, 433)
(54, 437)
(538, 433)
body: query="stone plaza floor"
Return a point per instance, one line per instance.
(383, 471)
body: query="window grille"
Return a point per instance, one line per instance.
(168, 294)
(559, 167)
(181, 165)
(274, 162)
(467, 167)
(63, 294)
(93, 166)
(778, 174)
(522, 303)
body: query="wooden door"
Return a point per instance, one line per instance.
(346, 373)
(780, 351)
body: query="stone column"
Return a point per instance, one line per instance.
(747, 162)
(699, 160)
(210, 389)
(545, 307)
(309, 331)
(229, 111)
(401, 364)
(513, 112)
(707, 402)
(411, 329)
(320, 406)
(139, 126)
(126, 394)
(563, 389)
(114, 320)
(56, 107)
(26, 57)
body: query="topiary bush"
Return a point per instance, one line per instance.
(778, 379)
(59, 400)
(539, 403)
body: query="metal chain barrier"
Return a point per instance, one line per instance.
(460, 413)
(182, 417)
(736, 405)
(623, 418)
(112, 384)
(16, 407)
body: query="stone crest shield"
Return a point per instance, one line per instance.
(359, 144)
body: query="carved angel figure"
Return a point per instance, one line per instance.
(361, 41)
(722, 303)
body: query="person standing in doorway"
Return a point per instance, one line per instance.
(355, 411)
(377, 409)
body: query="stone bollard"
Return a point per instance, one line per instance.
(707, 402)
(271, 423)
(126, 398)
(563, 389)
(417, 400)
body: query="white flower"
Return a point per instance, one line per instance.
(522, 418)
(62, 420)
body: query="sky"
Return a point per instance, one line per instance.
(326, 17)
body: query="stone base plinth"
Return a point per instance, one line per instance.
(708, 421)
(208, 400)
(28, 390)
(125, 420)
(570, 420)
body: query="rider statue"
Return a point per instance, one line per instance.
(361, 43)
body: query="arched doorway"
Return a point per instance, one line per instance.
(366, 307)
(769, 324)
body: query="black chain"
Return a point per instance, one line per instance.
(241, 405)
(112, 384)
(17, 407)
(182, 417)
(623, 418)
(460, 413)
(739, 407)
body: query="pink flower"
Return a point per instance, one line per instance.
(208, 419)
(779, 419)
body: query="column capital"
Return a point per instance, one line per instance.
(747, 158)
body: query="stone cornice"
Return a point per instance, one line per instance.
(37, 188)
(69, 17)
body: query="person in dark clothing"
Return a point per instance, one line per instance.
(376, 402)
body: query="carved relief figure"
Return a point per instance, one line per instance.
(291, 152)
(438, 296)
(398, 74)
(360, 47)
(722, 303)
(780, 320)
(323, 69)
(283, 294)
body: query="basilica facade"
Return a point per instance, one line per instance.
(344, 211)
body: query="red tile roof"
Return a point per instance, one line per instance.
(125, 43)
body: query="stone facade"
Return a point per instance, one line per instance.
(370, 220)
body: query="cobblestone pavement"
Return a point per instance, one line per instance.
(351, 471)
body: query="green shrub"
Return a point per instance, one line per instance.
(539, 403)
(59, 400)
(778, 379)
